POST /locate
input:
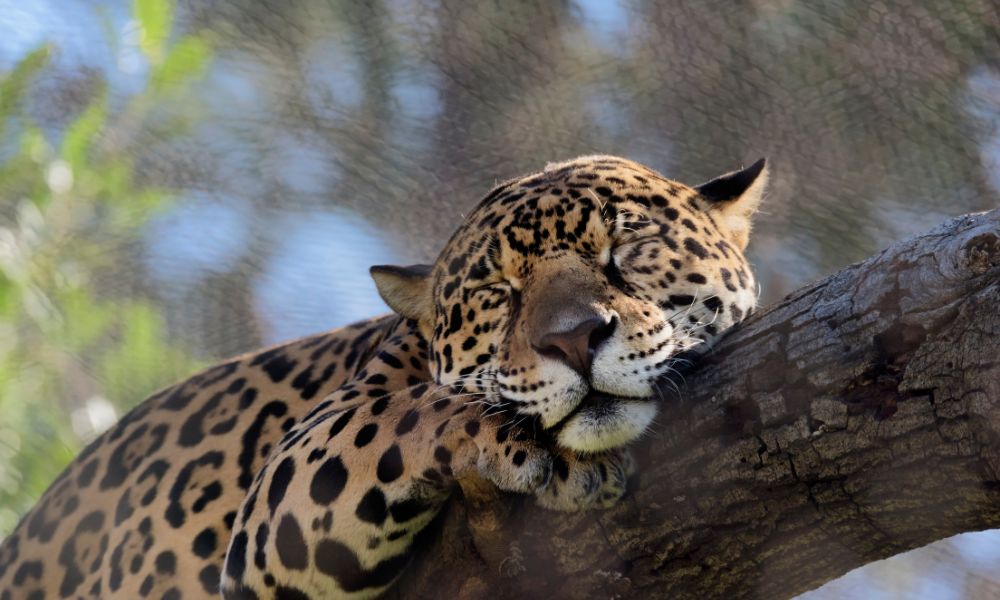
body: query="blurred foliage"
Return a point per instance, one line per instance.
(65, 191)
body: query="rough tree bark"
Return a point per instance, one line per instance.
(856, 419)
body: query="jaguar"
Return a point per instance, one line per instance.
(527, 355)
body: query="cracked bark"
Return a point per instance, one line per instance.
(856, 419)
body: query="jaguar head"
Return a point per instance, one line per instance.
(567, 294)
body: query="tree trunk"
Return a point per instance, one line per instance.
(856, 419)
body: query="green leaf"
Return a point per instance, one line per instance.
(155, 18)
(116, 180)
(89, 319)
(13, 85)
(9, 299)
(143, 360)
(34, 146)
(186, 61)
(135, 209)
(80, 134)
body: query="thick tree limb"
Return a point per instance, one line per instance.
(856, 419)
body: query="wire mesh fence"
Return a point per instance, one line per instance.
(261, 154)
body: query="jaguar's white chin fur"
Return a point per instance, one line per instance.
(605, 424)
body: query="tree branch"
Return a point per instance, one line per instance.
(856, 419)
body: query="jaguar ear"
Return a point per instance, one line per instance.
(735, 197)
(407, 290)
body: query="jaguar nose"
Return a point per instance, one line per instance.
(576, 347)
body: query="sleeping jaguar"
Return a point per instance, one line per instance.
(527, 355)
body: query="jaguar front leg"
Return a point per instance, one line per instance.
(585, 481)
(334, 511)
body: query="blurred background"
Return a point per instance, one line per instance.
(183, 180)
